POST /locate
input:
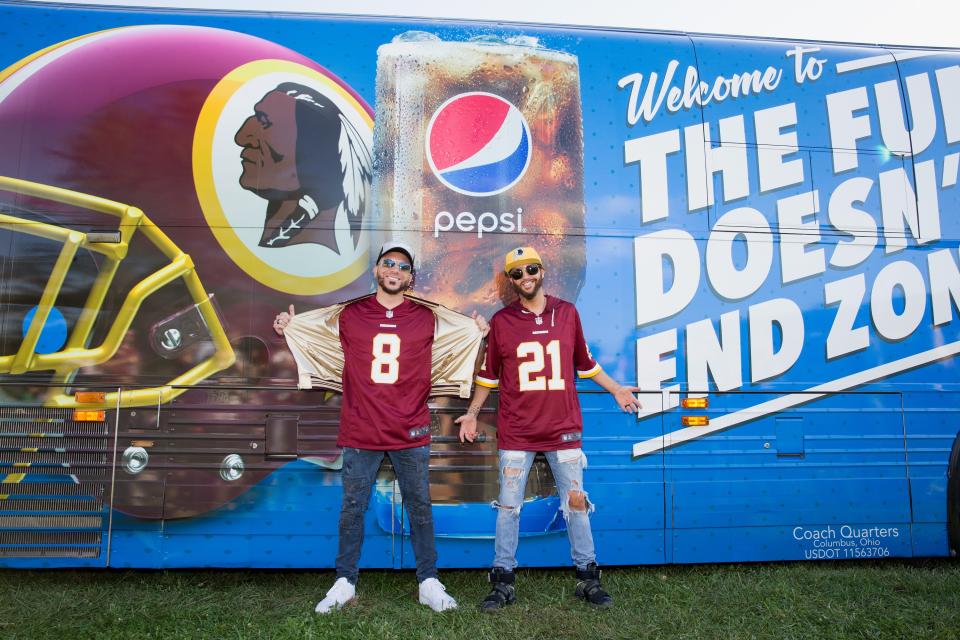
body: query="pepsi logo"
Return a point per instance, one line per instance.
(478, 144)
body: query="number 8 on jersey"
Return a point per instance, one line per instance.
(385, 368)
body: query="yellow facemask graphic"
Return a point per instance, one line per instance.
(113, 247)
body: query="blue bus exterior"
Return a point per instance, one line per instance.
(768, 249)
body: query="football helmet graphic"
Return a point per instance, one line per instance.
(243, 155)
(174, 333)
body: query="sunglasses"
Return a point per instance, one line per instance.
(390, 263)
(531, 269)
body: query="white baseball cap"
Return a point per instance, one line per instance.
(392, 245)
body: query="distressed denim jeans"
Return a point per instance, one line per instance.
(360, 468)
(567, 466)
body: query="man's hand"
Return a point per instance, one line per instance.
(482, 324)
(626, 400)
(282, 320)
(468, 427)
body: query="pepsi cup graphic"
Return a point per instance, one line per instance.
(478, 149)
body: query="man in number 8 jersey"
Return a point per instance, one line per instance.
(535, 352)
(387, 342)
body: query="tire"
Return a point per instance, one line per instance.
(953, 498)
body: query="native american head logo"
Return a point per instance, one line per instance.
(285, 174)
(305, 158)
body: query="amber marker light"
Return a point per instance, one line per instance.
(89, 397)
(694, 403)
(89, 415)
(695, 421)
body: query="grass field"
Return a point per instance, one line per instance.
(809, 600)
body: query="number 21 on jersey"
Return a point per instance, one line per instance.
(386, 358)
(529, 370)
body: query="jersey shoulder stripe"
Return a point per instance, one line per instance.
(591, 373)
(486, 382)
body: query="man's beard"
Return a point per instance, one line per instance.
(524, 294)
(399, 289)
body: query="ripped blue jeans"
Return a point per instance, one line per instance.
(567, 466)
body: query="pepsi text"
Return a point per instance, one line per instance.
(486, 222)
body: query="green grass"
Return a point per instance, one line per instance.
(919, 599)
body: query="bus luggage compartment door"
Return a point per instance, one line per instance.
(230, 477)
(822, 478)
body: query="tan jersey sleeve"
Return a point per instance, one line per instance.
(456, 346)
(314, 340)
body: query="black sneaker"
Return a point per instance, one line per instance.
(502, 592)
(589, 589)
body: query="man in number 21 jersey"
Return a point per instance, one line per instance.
(387, 342)
(535, 353)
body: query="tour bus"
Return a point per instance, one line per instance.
(760, 234)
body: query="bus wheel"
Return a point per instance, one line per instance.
(953, 498)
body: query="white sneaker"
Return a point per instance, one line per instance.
(434, 595)
(340, 594)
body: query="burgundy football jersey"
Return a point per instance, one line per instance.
(534, 360)
(386, 375)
